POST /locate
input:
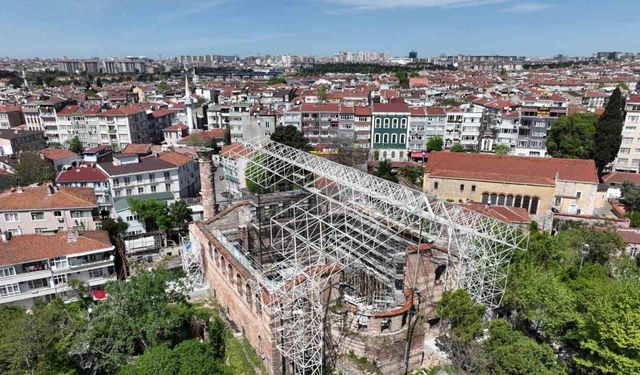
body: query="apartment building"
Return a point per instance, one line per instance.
(390, 123)
(537, 114)
(42, 115)
(72, 121)
(540, 185)
(41, 266)
(436, 123)
(236, 117)
(234, 167)
(417, 128)
(10, 116)
(131, 175)
(362, 126)
(88, 176)
(508, 126)
(628, 159)
(47, 209)
(470, 125)
(119, 127)
(16, 141)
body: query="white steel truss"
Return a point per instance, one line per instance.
(192, 264)
(361, 226)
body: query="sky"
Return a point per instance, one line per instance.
(165, 28)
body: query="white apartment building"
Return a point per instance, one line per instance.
(119, 127)
(508, 129)
(628, 159)
(41, 266)
(168, 171)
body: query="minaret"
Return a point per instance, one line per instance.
(188, 101)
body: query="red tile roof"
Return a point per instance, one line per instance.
(39, 197)
(629, 236)
(162, 112)
(84, 173)
(175, 158)
(32, 247)
(391, 107)
(123, 111)
(176, 128)
(511, 169)
(138, 148)
(621, 177)
(509, 215)
(57, 154)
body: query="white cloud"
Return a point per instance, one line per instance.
(527, 7)
(391, 4)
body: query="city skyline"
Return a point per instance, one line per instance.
(430, 27)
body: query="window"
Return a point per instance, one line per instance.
(461, 187)
(394, 123)
(38, 216)
(501, 199)
(394, 138)
(129, 192)
(494, 198)
(60, 262)
(518, 201)
(152, 177)
(625, 150)
(59, 280)
(16, 232)
(167, 187)
(116, 182)
(578, 194)
(153, 188)
(485, 197)
(534, 206)
(376, 138)
(473, 187)
(11, 217)
(9, 290)
(139, 178)
(509, 202)
(435, 186)
(525, 202)
(57, 213)
(127, 180)
(96, 273)
(378, 121)
(38, 283)
(402, 138)
(385, 138)
(141, 190)
(39, 230)
(7, 271)
(557, 201)
(386, 123)
(403, 123)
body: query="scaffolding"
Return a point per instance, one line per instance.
(191, 258)
(359, 226)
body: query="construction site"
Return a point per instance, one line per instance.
(326, 268)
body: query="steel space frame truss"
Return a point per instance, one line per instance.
(355, 222)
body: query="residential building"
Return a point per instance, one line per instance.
(389, 131)
(628, 159)
(131, 175)
(543, 186)
(418, 128)
(120, 126)
(537, 114)
(362, 126)
(41, 266)
(88, 176)
(60, 158)
(42, 115)
(174, 133)
(436, 123)
(16, 141)
(508, 127)
(10, 116)
(231, 157)
(46, 209)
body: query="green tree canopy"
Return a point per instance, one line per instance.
(181, 214)
(403, 79)
(75, 146)
(502, 149)
(462, 313)
(435, 144)
(139, 314)
(457, 148)
(321, 92)
(572, 136)
(385, 171)
(630, 196)
(32, 168)
(608, 135)
(276, 81)
(290, 135)
(115, 228)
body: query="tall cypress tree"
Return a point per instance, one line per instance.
(608, 135)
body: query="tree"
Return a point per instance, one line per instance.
(75, 145)
(37, 342)
(502, 149)
(321, 92)
(276, 81)
(290, 135)
(609, 334)
(32, 168)
(403, 79)
(413, 173)
(572, 136)
(181, 214)
(462, 313)
(348, 154)
(163, 86)
(608, 135)
(435, 144)
(146, 311)
(510, 352)
(630, 196)
(457, 148)
(115, 228)
(155, 213)
(385, 171)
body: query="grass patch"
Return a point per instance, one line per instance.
(241, 357)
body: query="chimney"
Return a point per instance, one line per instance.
(51, 190)
(207, 184)
(19, 190)
(72, 235)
